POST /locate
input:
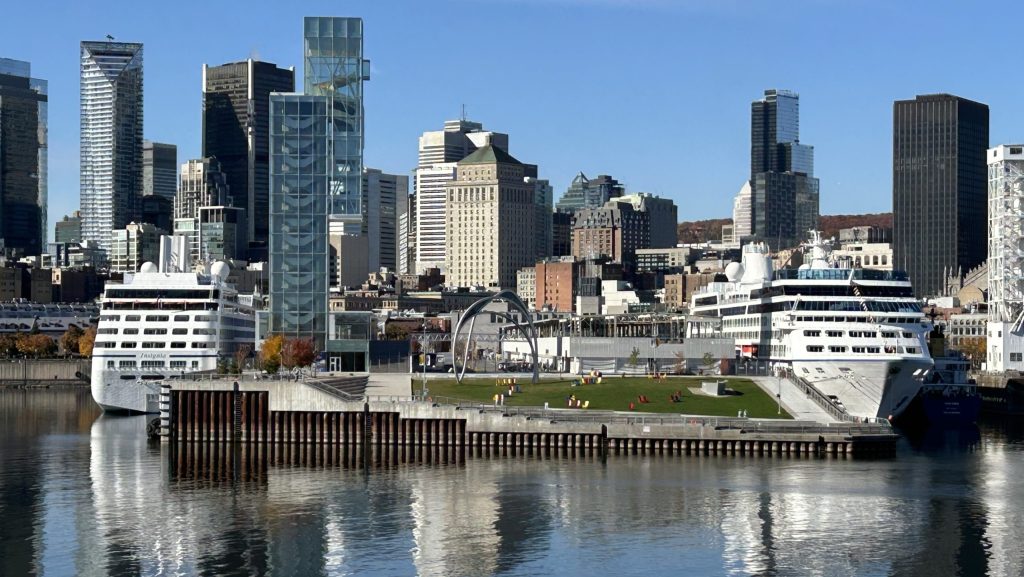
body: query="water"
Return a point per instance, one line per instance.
(83, 494)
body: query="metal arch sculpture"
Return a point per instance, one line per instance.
(476, 308)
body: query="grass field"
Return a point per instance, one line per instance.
(615, 393)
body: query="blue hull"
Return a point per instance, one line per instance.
(951, 410)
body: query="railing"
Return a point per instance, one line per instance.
(831, 407)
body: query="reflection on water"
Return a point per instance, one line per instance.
(89, 495)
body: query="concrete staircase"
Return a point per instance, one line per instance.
(347, 387)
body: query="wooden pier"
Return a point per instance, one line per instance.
(282, 417)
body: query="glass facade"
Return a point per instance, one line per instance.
(335, 69)
(23, 157)
(301, 130)
(111, 138)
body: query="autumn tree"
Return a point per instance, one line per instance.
(36, 345)
(270, 353)
(69, 340)
(396, 332)
(8, 346)
(86, 342)
(298, 352)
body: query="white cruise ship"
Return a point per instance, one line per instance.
(857, 335)
(156, 324)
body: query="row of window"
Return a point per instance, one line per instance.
(862, 350)
(859, 334)
(155, 345)
(155, 318)
(160, 331)
(152, 364)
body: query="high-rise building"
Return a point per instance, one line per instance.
(1005, 335)
(490, 210)
(542, 197)
(783, 191)
(69, 229)
(589, 193)
(204, 185)
(134, 245)
(742, 217)
(236, 130)
(159, 169)
(561, 233)
(382, 194)
(23, 159)
(662, 218)
(938, 188)
(616, 230)
(439, 151)
(407, 235)
(111, 138)
(316, 173)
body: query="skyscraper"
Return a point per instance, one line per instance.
(783, 191)
(382, 194)
(939, 188)
(159, 169)
(23, 158)
(236, 130)
(111, 138)
(439, 151)
(203, 185)
(1005, 339)
(316, 173)
(586, 192)
(491, 210)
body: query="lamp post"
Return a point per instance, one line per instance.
(778, 375)
(423, 359)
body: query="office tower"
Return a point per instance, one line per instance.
(381, 194)
(616, 230)
(783, 193)
(159, 169)
(134, 245)
(662, 218)
(236, 131)
(561, 233)
(589, 193)
(938, 188)
(158, 211)
(111, 138)
(204, 185)
(1005, 336)
(23, 159)
(490, 210)
(68, 229)
(742, 209)
(542, 197)
(439, 151)
(221, 234)
(406, 234)
(316, 173)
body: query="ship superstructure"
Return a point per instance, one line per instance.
(857, 335)
(158, 324)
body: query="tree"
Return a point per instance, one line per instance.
(396, 332)
(270, 353)
(459, 352)
(240, 355)
(69, 340)
(86, 342)
(8, 346)
(298, 352)
(634, 358)
(36, 345)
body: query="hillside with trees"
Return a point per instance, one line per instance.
(695, 231)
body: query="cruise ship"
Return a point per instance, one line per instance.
(157, 324)
(857, 335)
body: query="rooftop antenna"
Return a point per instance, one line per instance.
(109, 37)
(463, 112)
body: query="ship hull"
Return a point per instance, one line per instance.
(115, 395)
(951, 410)
(881, 388)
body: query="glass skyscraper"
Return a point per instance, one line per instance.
(316, 171)
(23, 147)
(111, 138)
(335, 69)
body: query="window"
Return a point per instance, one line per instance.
(812, 333)
(834, 334)
(128, 345)
(913, 350)
(180, 318)
(152, 345)
(152, 364)
(177, 345)
(155, 331)
(131, 331)
(202, 345)
(106, 332)
(908, 335)
(110, 317)
(815, 348)
(126, 364)
(204, 331)
(888, 335)
(1016, 357)
(110, 364)
(178, 364)
(203, 318)
(179, 331)
(157, 318)
(835, 349)
(859, 349)
(132, 318)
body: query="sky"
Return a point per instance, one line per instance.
(654, 92)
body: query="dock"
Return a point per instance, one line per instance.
(333, 414)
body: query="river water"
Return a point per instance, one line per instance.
(85, 494)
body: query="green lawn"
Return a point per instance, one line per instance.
(615, 393)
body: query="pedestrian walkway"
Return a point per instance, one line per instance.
(795, 401)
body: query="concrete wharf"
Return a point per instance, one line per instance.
(335, 413)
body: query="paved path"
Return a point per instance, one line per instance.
(794, 400)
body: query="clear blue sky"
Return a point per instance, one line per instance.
(654, 92)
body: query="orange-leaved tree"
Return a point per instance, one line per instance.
(86, 342)
(298, 352)
(270, 353)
